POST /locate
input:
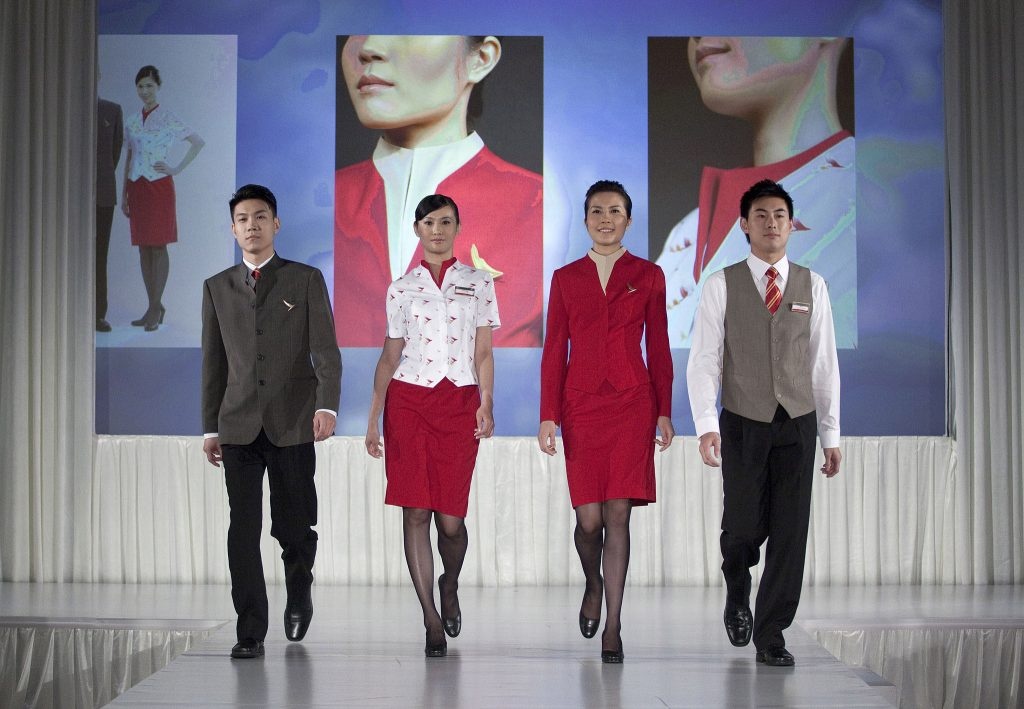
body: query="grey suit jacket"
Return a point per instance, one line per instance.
(270, 358)
(109, 140)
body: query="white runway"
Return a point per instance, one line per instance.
(519, 647)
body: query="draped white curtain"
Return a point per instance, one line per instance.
(904, 511)
(47, 226)
(985, 154)
(160, 516)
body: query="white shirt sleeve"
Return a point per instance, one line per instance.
(394, 312)
(704, 367)
(824, 362)
(487, 309)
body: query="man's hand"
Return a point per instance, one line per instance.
(211, 447)
(832, 460)
(484, 422)
(711, 449)
(667, 432)
(546, 437)
(323, 426)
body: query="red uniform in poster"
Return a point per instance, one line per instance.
(501, 211)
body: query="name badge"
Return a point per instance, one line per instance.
(800, 307)
(465, 290)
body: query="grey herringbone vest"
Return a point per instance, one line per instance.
(765, 362)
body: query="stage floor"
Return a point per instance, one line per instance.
(519, 646)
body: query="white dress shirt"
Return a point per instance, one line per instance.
(439, 324)
(704, 367)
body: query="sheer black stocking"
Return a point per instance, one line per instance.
(616, 562)
(420, 558)
(452, 542)
(589, 538)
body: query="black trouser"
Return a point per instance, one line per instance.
(292, 512)
(104, 220)
(767, 471)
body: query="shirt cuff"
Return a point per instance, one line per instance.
(210, 435)
(829, 439)
(329, 411)
(706, 424)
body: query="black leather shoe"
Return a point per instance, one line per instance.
(775, 657)
(739, 623)
(247, 649)
(438, 650)
(452, 626)
(612, 657)
(102, 325)
(297, 616)
(588, 626)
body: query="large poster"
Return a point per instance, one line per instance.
(681, 102)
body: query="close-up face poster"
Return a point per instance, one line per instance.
(352, 113)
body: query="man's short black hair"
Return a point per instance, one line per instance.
(764, 188)
(253, 192)
(609, 186)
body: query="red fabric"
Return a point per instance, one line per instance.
(605, 332)
(429, 448)
(720, 192)
(772, 294)
(152, 212)
(501, 211)
(445, 265)
(609, 444)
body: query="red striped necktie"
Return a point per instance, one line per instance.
(772, 294)
(255, 277)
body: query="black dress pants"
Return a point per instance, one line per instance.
(293, 514)
(104, 221)
(767, 471)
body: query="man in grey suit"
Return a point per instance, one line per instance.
(109, 140)
(271, 383)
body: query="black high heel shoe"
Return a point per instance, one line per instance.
(148, 318)
(613, 657)
(589, 626)
(435, 650)
(452, 626)
(156, 321)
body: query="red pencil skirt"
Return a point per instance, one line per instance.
(152, 212)
(609, 444)
(429, 447)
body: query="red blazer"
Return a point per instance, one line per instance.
(593, 337)
(501, 210)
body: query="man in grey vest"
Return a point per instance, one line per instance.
(271, 382)
(764, 330)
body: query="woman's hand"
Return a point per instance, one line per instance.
(667, 432)
(124, 204)
(546, 437)
(484, 422)
(163, 168)
(372, 441)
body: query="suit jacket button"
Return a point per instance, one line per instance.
(262, 382)
(259, 357)
(259, 332)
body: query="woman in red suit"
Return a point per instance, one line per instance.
(608, 402)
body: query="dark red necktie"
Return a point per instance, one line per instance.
(255, 277)
(772, 294)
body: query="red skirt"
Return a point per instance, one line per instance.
(609, 444)
(152, 212)
(429, 447)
